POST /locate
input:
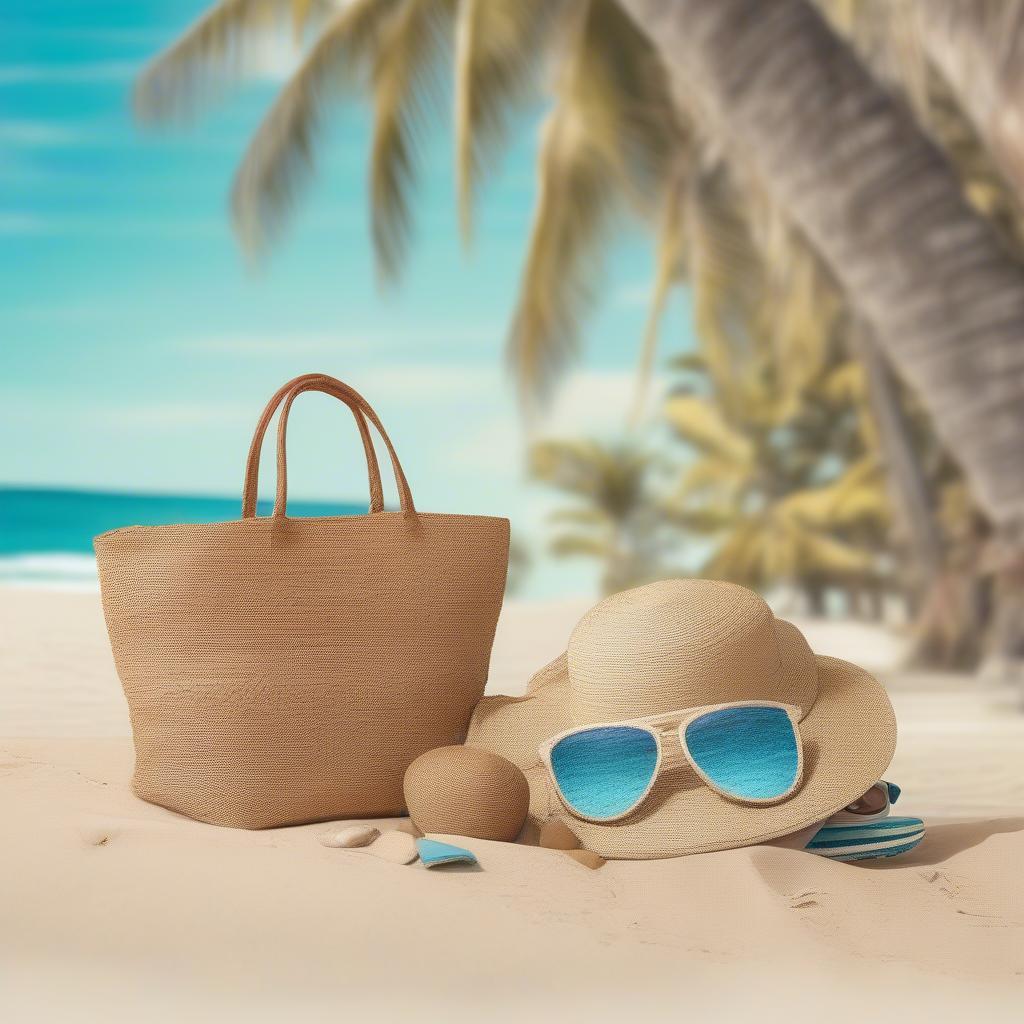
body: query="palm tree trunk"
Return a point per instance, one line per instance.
(914, 507)
(976, 47)
(880, 203)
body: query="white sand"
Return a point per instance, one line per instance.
(111, 908)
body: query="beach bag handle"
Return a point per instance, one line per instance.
(252, 468)
(361, 410)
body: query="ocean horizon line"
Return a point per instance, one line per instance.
(16, 487)
(46, 533)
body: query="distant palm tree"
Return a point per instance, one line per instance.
(613, 517)
(767, 489)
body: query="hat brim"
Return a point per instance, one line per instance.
(848, 735)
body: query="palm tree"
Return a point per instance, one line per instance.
(614, 515)
(878, 201)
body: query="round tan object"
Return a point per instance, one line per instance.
(462, 791)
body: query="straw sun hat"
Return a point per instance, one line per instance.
(681, 644)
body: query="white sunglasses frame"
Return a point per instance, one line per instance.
(678, 722)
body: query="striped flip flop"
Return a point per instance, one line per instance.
(853, 840)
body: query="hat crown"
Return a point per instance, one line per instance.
(671, 645)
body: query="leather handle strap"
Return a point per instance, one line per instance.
(252, 466)
(337, 389)
(361, 410)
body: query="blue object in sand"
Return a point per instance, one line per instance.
(851, 840)
(435, 854)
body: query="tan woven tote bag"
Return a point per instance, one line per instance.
(285, 670)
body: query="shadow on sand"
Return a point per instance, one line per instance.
(946, 840)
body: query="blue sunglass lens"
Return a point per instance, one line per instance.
(603, 772)
(750, 753)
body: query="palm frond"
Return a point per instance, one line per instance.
(611, 480)
(217, 47)
(406, 89)
(652, 139)
(669, 270)
(573, 215)
(280, 157)
(711, 480)
(573, 466)
(829, 557)
(806, 306)
(885, 35)
(301, 13)
(693, 363)
(727, 278)
(704, 520)
(845, 384)
(740, 557)
(979, 51)
(766, 308)
(701, 424)
(944, 53)
(579, 516)
(607, 139)
(497, 47)
(854, 498)
(571, 545)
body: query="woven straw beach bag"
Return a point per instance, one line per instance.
(284, 670)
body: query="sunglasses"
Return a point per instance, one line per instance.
(748, 751)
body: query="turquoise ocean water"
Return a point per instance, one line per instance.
(46, 535)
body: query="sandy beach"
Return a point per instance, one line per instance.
(114, 908)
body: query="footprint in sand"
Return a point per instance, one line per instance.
(943, 883)
(805, 900)
(785, 874)
(966, 897)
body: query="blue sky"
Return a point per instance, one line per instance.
(136, 348)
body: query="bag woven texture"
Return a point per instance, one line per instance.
(281, 670)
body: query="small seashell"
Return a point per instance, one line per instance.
(349, 838)
(395, 847)
(587, 858)
(556, 835)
